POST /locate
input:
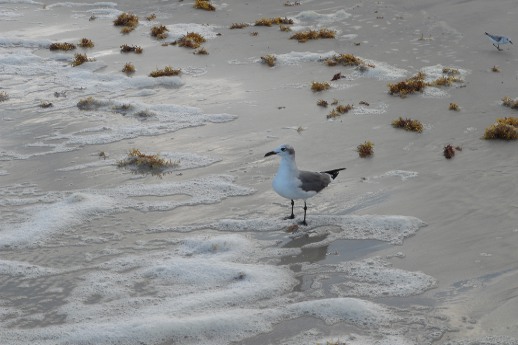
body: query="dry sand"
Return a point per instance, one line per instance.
(469, 203)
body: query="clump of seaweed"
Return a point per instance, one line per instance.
(201, 51)
(408, 124)
(128, 49)
(159, 31)
(284, 28)
(239, 25)
(128, 68)
(450, 71)
(254, 33)
(167, 71)
(269, 59)
(339, 110)
(320, 86)
(65, 46)
(3, 96)
(444, 81)
(304, 36)
(449, 151)
(122, 108)
(273, 21)
(505, 128)
(142, 163)
(80, 59)
(413, 84)
(322, 103)
(46, 104)
(86, 43)
(204, 5)
(509, 102)
(89, 103)
(345, 60)
(190, 40)
(495, 69)
(151, 17)
(366, 149)
(454, 107)
(128, 21)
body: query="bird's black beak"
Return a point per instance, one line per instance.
(270, 153)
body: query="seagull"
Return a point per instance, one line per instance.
(498, 40)
(292, 183)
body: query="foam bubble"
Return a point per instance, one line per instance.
(42, 221)
(338, 16)
(393, 229)
(373, 277)
(402, 174)
(23, 269)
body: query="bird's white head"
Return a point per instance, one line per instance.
(282, 151)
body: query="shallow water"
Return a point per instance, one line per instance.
(91, 253)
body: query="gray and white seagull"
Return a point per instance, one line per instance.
(292, 183)
(498, 40)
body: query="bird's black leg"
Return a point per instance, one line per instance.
(497, 46)
(305, 209)
(292, 216)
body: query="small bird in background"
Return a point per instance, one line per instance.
(292, 183)
(498, 40)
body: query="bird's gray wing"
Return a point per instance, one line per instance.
(313, 181)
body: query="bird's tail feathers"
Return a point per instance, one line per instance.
(333, 173)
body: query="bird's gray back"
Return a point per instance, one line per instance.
(313, 181)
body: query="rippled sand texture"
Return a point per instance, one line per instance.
(405, 247)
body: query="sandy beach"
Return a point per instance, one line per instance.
(405, 247)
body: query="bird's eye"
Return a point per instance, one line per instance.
(283, 149)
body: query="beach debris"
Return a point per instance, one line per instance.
(128, 68)
(190, 40)
(92, 18)
(509, 102)
(80, 59)
(304, 36)
(300, 129)
(89, 103)
(322, 103)
(366, 149)
(151, 17)
(504, 128)
(292, 3)
(339, 110)
(364, 103)
(127, 49)
(348, 60)
(86, 43)
(46, 104)
(167, 71)
(65, 46)
(450, 71)
(337, 76)
(269, 60)
(320, 86)
(201, 51)
(159, 32)
(408, 124)
(495, 69)
(139, 162)
(284, 28)
(204, 5)
(239, 26)
(254, 33)
(128, 21)
(3, 96)
(122, 108)
(292, 228)
(413, 84)
(273, 21)
(449, 151)
(334, 102)
(103, 155)
(60, 94)
(454, 107)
